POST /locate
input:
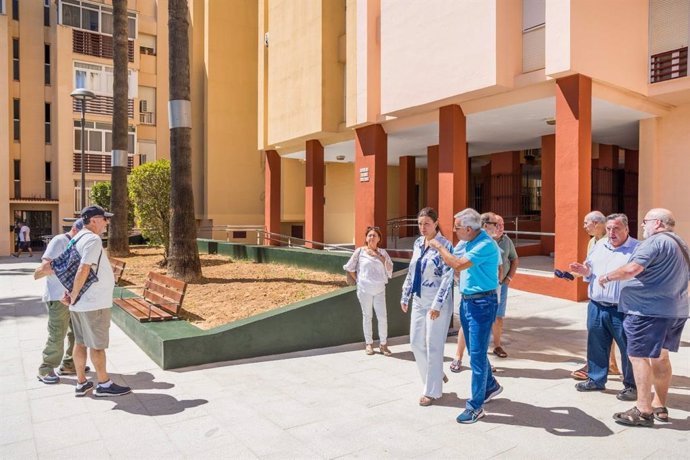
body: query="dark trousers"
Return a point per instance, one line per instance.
(604, 324)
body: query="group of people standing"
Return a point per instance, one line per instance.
(637, 290)
(479, 269)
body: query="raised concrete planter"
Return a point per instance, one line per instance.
(328, 320)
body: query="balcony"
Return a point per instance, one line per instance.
(98, 164)
(102, 105)
(669, 65)
(98, 45)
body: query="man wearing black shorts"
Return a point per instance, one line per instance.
(655, 304)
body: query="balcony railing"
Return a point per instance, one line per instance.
(102, 105)
(94, 44)
(97, 163)
(669, 65)
(147, 118)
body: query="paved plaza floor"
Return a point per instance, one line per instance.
(327, 403)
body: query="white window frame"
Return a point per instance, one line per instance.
(101, 9)
(99, 79)
(2, 7)
(91, 127)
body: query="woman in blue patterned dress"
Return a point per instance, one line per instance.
(429, 319)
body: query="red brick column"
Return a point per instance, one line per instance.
(371, 169)
(272, 194)
(452, 167)
(432, 176)
(573, 174)
(313, 196)
(407, 192)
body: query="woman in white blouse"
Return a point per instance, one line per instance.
(372, 267)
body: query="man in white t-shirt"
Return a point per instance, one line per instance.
(90, 312)
(59, 324)
(24, 240)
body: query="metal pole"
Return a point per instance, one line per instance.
(83, 174)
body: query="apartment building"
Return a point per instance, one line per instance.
(538, 110)
(52, 47)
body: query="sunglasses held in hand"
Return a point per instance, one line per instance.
(564, 275)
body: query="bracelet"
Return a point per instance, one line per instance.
(606, 278)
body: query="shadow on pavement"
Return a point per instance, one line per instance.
(15, 307)
(560, 420)
(154, 404)
(16, 271)
(541, 374)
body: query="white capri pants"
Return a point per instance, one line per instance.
(370, 303)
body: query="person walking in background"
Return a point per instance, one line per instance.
(509, 265)
(24, 240)
(59, 324)
(371, 267)
(428, 324)
(655, 303)
(595, 226)
(478, 269)
(604, 321)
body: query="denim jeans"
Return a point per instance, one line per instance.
(477, 316)
(603, 325)
(59, 326)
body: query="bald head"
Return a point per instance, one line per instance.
(595, 224)
(662, 215)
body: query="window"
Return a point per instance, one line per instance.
(15, 112)
(100, 79)
(46, 13)
(47, 123)
(48, 175)
(46, 64)
(92, 17)
(15, 59)
(17, 178)
(98, 138)
(15, 10)
(2, 6)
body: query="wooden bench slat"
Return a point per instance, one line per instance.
(142, 309)
(169, 294)
(161, 299)
(167, 281)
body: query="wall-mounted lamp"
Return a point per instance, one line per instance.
(340, 157)
(550, 121)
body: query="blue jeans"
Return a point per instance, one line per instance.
(477, 316)
(603, 325)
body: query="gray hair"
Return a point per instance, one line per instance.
(596, 217)
(469, 218)
(78, 224)
(665, 217)
(618, 216)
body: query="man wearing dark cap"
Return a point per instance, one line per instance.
(90, 310)
(59, 324)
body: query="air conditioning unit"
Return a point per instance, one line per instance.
(143, 106)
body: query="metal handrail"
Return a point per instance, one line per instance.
(291, 240)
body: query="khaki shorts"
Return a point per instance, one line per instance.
(91, 328)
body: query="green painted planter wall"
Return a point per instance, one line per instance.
(328, 320)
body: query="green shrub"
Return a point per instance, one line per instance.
(100, 195)
(149, 191)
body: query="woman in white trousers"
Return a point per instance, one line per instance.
(371, 267)
(429, 319)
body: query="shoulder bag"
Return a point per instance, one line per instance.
(66, 265)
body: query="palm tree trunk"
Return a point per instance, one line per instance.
(118, 243)
(183, 259)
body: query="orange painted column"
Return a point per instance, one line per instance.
(407, 191)
(432, 177)
(608, 157)
(452, 167)
(573, 175)
(548, 204)
(630, 201)
(371, 178)
(313, 197)
(272, 194)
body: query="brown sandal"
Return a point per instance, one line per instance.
(580, 374)
(660, 413)
(425, 401)
(500, 352)
(633, 417)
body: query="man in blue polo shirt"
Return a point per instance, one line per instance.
(478, 269)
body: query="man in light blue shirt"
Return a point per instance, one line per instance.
(604, 321)
(478, 269)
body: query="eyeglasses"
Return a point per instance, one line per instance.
(373, 228)
(644, 221)
(490, 223)
(456, 228)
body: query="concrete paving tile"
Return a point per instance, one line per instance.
(14, 403)
(56, 408)
(24, 450)
(15, 428)
(190, 436)
(92, 450)
(67, 432)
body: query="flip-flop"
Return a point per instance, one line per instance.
(456, 366)
(660, 413)
(579, 374)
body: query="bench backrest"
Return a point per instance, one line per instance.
(118, 268)
(164, 292)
